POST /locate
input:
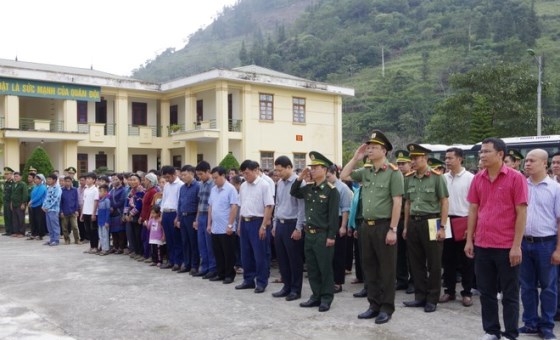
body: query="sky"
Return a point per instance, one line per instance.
(112, 36)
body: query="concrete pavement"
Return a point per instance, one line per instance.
(61, 293)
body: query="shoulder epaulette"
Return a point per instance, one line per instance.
(331, 185)
(393, 166)
(410, 173)
(436, 172)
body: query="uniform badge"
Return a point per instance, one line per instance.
(411, 148)
(373, 135)
(312, 157)
(322, 196)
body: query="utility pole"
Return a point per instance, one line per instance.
(382, 61)
(538, 59)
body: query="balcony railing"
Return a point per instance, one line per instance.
(205, 124)
(234, 125)
(134, 130)
(108, 131)
(38, 124)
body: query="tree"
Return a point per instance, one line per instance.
(244, 55)
(229, 162)
(40, 160)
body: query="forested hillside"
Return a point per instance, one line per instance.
(454, 70)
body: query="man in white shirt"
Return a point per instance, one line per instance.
(89, 212)
(256, 200)
(169, 204)
(458, 183)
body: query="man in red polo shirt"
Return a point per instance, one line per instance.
(497, 217)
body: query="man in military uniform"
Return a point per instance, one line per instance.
(404, 277)
(382, 190)
(436, 164)
(513, 159)
(18, 200)
(321, 211)
(71, 171)
(426, 198)
(8, 185)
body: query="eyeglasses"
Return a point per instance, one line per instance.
(481, 152)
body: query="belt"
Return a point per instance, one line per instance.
(376, 222)
(313, 230)
(423, 217)
(188, 213)
(532, 239)
(250, 218)
(169, 210)
(285, 221)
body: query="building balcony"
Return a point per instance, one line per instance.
(32, 129)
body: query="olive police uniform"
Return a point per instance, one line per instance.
(403, 267)
(71, 172)
(321, 213)
(379, 186)
(436, 164)
(19, 198)
(7, 192)
(424, 192)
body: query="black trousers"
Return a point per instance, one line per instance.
(82, 230)
(91, 230)
(358, 257)
(224, 252)
(339, 259)
(158, 252)
(38, 221)
(137, 235)
(403, 266)
(454, 257)
(119, 240)
(18, 220)
(289, 256)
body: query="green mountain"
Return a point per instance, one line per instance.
(405, 58)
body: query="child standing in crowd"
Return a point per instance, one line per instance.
(157, 237)
(103, 212)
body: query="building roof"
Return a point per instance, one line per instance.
(75, 75)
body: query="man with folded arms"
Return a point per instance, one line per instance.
(497, 216)
(540, 248)
(458, 183)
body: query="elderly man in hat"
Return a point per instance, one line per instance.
(7, 191)
(382, 190)
(426, 200)
(321, 210)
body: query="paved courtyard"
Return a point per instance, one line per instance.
(61, 293)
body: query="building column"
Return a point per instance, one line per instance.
(11, 153)
(121, 132)
(246, 98)
(70, 115)
(11, 112)
(189, 116)
(164, 109)
(337, 126)
(222, 144)
(191, 150)
(70, 154)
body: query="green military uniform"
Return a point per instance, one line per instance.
(403, 267)
(379, 186)
(321, 213)
(7, 192)
(19, 198)
(424, 192)
(436, 164)
(71, 172)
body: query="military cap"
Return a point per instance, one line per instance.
(402, 156)
(417, 150)
(70, 170)
(318, 159)
(516, 154)
(435, 163)
(378, 137)
(8, 170)
(32, 170)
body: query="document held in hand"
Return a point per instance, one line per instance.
(433, 226)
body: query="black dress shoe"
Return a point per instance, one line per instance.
(430, 307)
(193, 272)
(228, 280)
(216, 278)
(337, 289)
(361, 294)
(368, 314)
(175, 268)
(382, 318)
(182, 270)
(281, 293)
(198, 274)
(166, 266)
(401, 286)
(209, 275)
(310, 303)
(323, 307)
(245, 285)
(410, 289)
(414, 303)
(293, 296)
(259, 290)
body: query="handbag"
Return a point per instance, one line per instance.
(459, 227)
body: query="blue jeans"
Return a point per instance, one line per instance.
(536, 269)
(167, 219)
(254, 253)
(493, 269)
(103, 237)
(190, 242)
(208, 261)
(53, 226)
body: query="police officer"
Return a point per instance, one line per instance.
(71, 171)
(426, 199)
(382, 190)
(321, 210)
(513, 159)
(436, 164)
(404, 279)
(8, 187)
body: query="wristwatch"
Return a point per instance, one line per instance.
(394, 229)
(230, 226)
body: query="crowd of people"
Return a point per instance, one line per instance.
(405, 225)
